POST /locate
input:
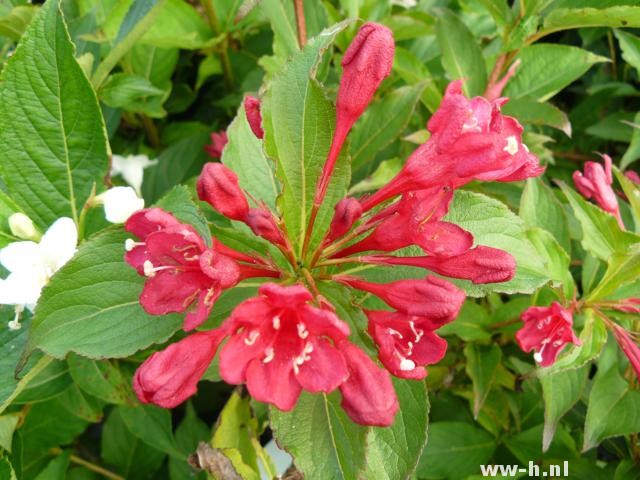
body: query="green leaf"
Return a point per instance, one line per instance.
(614, 127)
(632, 191)
(236, 434)
(131, 456)
(538, 113)
(8, 425)
(455, 450)
(383, 123)
(152, 425)
(189, 434)
(48, 383)
(469, 324)
(123, 90)
(299, 123)
(499, 10)
(283, 22)
(617, 16)
(633, 151)
(244, 155)
(102, 379)
(630, 46)
(7, 208)
(394, 452)
(539, 207)
(601, 235)
(556, 259)
(82, 405)
(179, 202)
(91, 305)
(592, 339)
(15, 23)
(53, 144)
(548, 68)
(622, 269)
(494, 225)
(323, 441)
(413, 71)
(560, 392)
(6, 470)
(482, 367)
(57, 468)
(613, 408)
(461, 54)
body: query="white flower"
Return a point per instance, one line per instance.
(32, 264)
(22, 227)
(119, 203)
(131, 168)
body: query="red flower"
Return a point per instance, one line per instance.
(252, 110)
(262, 223)
(168, 377)
(546, 330)
(365, 64)
(629, 347)
(281, 344)
(633, 176)
(432, 297)
(218, 141)
(347, 212)
(480, 264)
(406, 343)
(368, 396)
(595, 184)
(218, 186)
(180, 269)
(416, 220)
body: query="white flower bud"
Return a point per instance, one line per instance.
(22, 227)
(119, 203)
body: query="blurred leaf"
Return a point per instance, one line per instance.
(105, 319)
(470, 323)
(499, 11)
(482, 366)
(51, 128)
(601, 234)
(57, 468)
(7, 208)
(381, 176)
(8, 425)
(613, 408)
(6, 470)
(556, 259)
(122, 90)
(244, 155)
(132, 457)
(632, 191)
(617, 16)
(394, 452)
(152, 425)
(548, 68)
(413, 71)
(613, 127)
(455, 450)
(100, 378)
(494, 225)
(630, 46)
(189, 434)
(461, 54)
(539, 207)
(633, 151)
(538, 113)
(15, 23)
(383, 123)
(621, 269)
(82, 404)
(299, 121)
(560, 391)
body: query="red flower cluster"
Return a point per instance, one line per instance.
(595, 184)
(289, 338)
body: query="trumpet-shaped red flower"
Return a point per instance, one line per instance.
(168, 377)
(595, 184)
(480, 264)
(219, 140)
(254, 117)
(432, 297)
(406, 343)
(218, 186)
(181, 270)
(629, 347)
(281, 344)
(546, 331)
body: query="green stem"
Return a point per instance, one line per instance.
(122, 47)
(88, 465)
(214, 22)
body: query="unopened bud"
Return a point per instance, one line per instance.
(262, 223)
(252, 110)
(22, 227)
(347, 212)
(218, 186)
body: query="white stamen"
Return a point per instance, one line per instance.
(393, 332)
(302, 331)
(130, 244)
(269, 354)
(537, 357)
(472, 124)
(407, 365)
(251, 339)
(418, 333)
(512, 145)
(149, 271)
(276, 322)
(15, 323)
(557, 343)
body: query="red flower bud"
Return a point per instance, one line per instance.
(218, 186)
(595, 184)
(347, 212)
(633, 176)
(368, 396)
(252, 110)
(262, 223)
(480, 265)
(168, 377)
(218, 141)
(628, 305)
(432, 297)
(629, 347)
